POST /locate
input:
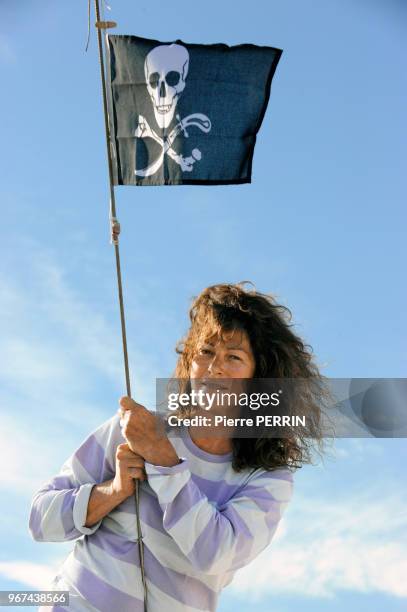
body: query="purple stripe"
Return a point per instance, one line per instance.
(92, 457)
(219, 528)
(150, 510)
(35, 521)
(115, 545)
(103, 596)
(185, 589)
(108, 470)
(186, 498)
(151, 513)
(67, 514)
(198, 452)
(244, 541)
(60, 482)
(273, 516)
(206, 546)
(264, 501)
(218, 491)
(263, 498)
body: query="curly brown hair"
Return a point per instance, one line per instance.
(279, 353)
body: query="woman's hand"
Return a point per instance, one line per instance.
(108, 495)
(129, 466)
(145, 434)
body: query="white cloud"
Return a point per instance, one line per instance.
(357, 544)
(34, 575)
(358, 449)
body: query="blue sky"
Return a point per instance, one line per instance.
(322, 227)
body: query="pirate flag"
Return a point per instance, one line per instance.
(185, 114)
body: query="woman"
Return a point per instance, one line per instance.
(208, 505)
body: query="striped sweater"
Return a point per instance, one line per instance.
(201, 521)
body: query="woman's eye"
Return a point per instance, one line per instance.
(205, 352)
(235, 357)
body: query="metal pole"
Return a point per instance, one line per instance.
(112, 199)
(114, 223)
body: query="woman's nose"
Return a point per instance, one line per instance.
(215, 366)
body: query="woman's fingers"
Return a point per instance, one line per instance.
(127, 403)
(124, 452)
(137, 473)
(133, 463)
(130, 463)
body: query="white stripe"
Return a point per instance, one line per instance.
(218, 471)
(122, 523)
(51, 525)
(199, 516)
(167, 486)
(281, 490)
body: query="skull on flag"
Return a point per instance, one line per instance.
(166, 69)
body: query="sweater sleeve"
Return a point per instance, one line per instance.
(58, 511)
(225, 537)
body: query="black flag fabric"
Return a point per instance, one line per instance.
(183, 114)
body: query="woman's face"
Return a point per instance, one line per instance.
(228, 357)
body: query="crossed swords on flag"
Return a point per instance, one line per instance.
(145, 131)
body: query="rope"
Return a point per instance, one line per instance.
(88, 38)
(115, 229)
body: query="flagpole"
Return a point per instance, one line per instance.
(115, 230)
